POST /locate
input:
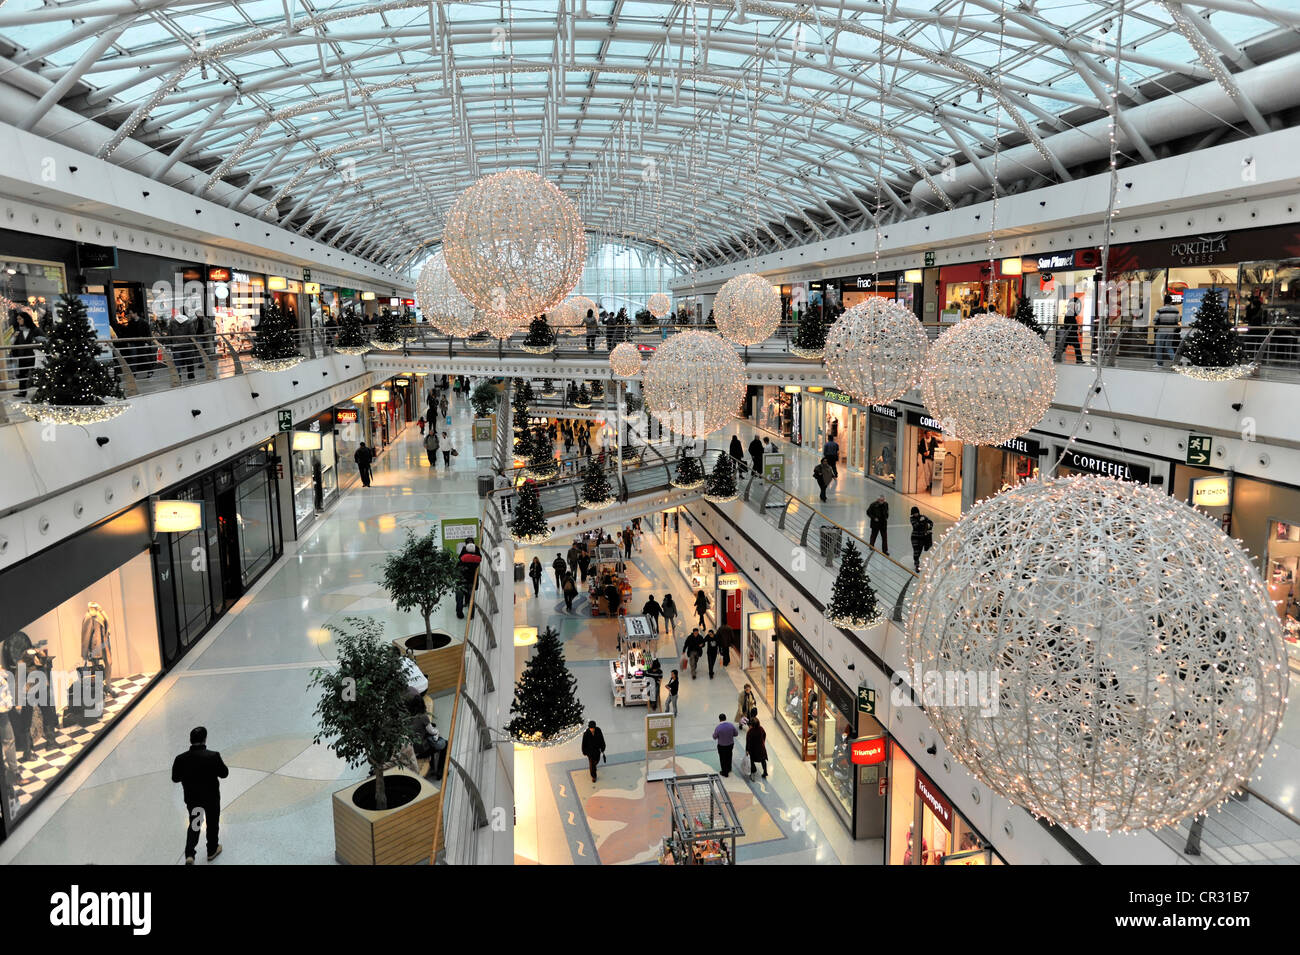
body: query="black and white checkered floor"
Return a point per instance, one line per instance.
(48, 762)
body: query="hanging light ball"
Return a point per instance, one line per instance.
(514, 244)
(1132, 667)
(502, 326)
(442, 304)
(990, 379)
(694, 383)
(659, 304)
(625, 360)
(747, 309)
(876, 351)
(564, 319)
(580, 305)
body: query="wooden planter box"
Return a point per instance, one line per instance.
(401, 836)
(441, 666)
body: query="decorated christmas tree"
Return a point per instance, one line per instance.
(1212, 342)
(689, 473)
(541, 456)
(529, 524)
(519, 417)
(632, 405)
(809, 339)
(522, 394)
(540, 338)
(853, 600)
(1024, 314)
(275, 342)
(546, 708)
(387, 335)
(72, 374)
(352, 337)
(548, 388)
(597, 390)
(646, 320)
(596, 493)
(721, 484)
(583, 398)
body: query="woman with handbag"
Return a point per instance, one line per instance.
(756, 746)
(448, 449)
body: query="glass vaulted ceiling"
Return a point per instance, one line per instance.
(711, 129)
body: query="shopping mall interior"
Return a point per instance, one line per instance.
(722, 432)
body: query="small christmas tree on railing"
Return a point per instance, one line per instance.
(583, 398)
(853, 600)
(721, 484)
(1024, 314)
(529, 524)
(540, 338)
(809, 340)
(541, 457)
(597, 390)
(387, 335)
(596, 493)
(275, 340)
(1212, 350)
(632, 406)
(73, 386)
(689, 473)
(548, 388)
(351, 339)
(546, 707)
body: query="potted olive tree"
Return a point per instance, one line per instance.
(419, 576)
(389, 818)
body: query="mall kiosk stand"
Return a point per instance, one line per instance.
(608, 559)
(705, 824)
(632, 687)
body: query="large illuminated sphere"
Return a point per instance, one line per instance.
(442, 304)
(747, 309)
(564, 319)
(1132, 666)
(989, 379)
(503, 326)
(625, 360)
(514, 244)
(694, 383)
(876, 351)
(580, 305)
(659, 304)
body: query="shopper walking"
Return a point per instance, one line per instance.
(1071, 338)
(655, 671)
(693, 648)
(627, 543)
(570, 592)
(745, 703)
(431, 445)
(593, 746)
(831, 454)
(724, 734)
(711, 650)
(724, 644)
(737, 451)
(584, 563)
(674, 685)
(448, 449)
(1168, 318)
(613, 598)
(535, 574)
(470, 558)
(756, 745)
(821, 474)
(364, 457)
(701, 606)
(878, 518)
(670, 616)
(756, 454)
(198, 770)
(922, 536)
(572, 556)
(652, 610)
(559, 567)
(24, 348)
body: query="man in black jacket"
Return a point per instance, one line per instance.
(197, 770)
(593, 746)
(756, 454)
(364, 457)
(878, 518)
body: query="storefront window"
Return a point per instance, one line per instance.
(239, 313)
(700, 572)
(33, 283)
(924, 829)
(1002, 467)
(934, 469)
(884, 445)
(257, 519)
(69, 698)
(1283, 590)
(833, 764)
(798, 703)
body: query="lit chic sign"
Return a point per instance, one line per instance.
(306, 441)
(311, 288)
(401, 382)
(277, 283)
(912, 276)
(525, 636)
(367, 296)
(175, 517)
(729, 582)
(762, 620)
(868, 752)
(1211, 492)
(1011, 267)
(379, 396)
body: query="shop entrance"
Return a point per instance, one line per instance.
(933, 472)
(228, 544)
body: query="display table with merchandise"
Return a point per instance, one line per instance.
(608, 563)
(628, 678)
(704, 822)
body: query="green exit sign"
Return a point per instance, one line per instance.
(1198, 449)
(866, 700)
(929, 259)
(286, 420)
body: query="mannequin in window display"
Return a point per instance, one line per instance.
(925, 448)
(31, 666)
(925, 850)
(97, 644)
